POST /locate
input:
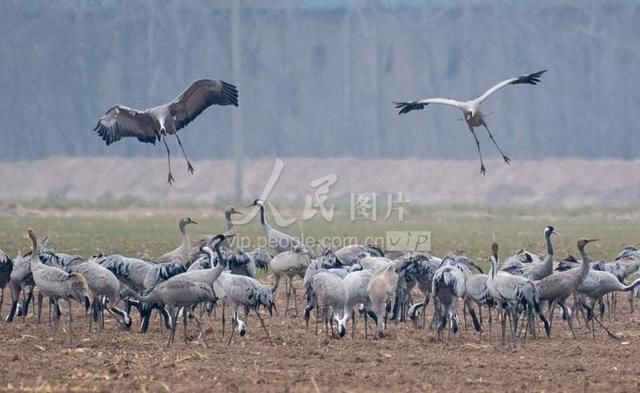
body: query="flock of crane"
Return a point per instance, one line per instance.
(193, 279)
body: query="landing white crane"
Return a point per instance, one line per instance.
(471, 109)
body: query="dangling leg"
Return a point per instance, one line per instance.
(483, 170)
(506, 159)
(170, 179)
(189, 166)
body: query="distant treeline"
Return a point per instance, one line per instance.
(319, 81)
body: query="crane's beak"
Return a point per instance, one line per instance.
(236, 211)
(592, 240)
(555, 233)
(193, 222)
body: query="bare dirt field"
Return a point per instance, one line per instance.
(408, 360)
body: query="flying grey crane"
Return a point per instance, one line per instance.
(154, 124)
(557, 287)
(177, 294)
(471, 109)
(276, 239)
(236, 291)
(55, 283)
(182, 253)
(510, 292)
(6, 267)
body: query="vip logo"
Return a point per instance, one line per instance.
(408, 240)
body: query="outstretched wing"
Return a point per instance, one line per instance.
(198, 97)
(120, 121)
(531, 79)
(414, 105)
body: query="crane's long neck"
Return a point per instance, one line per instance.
(494, 267)
(231, 228)
(217, 270)
(262, 220)
(186, 241)
(149, 298)
(631, 286)
(547, 238)
(584, 268)
(35, 260)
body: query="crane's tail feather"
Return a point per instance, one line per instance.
(406, 107)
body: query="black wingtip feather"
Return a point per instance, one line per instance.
(531, 79)
(406, 107)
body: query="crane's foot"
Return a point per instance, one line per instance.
(506, 159)
(483, 170)
(189, 167)
(170, 179)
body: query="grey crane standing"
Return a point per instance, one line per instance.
(598, 284)
(329, 293)
(422, 271)
(103, 286)
(277, 240)
(356, 284)
(289, 264)
(471, 109)
(510, 292)
(449, 285)
(177, 294)
(151, 125)
(539, 270)
(182, 253)
(382, 291)
(557, 287)
(56, 283)
(20, 277)
(236, 291)
(477, 291)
